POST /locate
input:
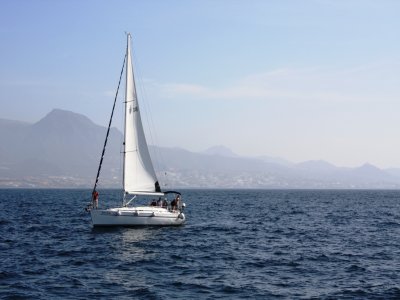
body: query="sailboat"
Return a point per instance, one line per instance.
(139, 176)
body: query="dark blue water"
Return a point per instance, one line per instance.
(235, 245)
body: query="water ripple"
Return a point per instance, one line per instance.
(236, 245)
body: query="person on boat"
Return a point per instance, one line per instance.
(175, 203)
(95, 199)
(153, 203)
(165, 203)
(159, 202)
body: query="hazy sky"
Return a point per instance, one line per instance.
(317, 79)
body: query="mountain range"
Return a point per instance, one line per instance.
(63, 150)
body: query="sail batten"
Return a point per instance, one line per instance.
(139, 175)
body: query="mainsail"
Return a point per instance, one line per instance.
(139, 175)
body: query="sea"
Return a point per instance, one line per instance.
(236, 244)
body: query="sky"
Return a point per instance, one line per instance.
(302, 80)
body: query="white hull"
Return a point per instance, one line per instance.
(136, 216)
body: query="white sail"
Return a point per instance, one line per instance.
(139, 175)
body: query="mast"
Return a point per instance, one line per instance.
(127, 61)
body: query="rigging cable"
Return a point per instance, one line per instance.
(109, 126)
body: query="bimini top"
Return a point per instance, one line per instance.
(172, 192)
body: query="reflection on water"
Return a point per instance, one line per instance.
(135, 243)
(128, 243)
(128, 248)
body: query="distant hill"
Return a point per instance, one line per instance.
(63, 144)
(221, 151)
(63, 150)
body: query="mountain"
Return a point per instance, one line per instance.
(366, 176)
(395, 172)
(63, 150)
(220, 151)
(316, 166)
(275, 160)
(63, 143)
(368, 172)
